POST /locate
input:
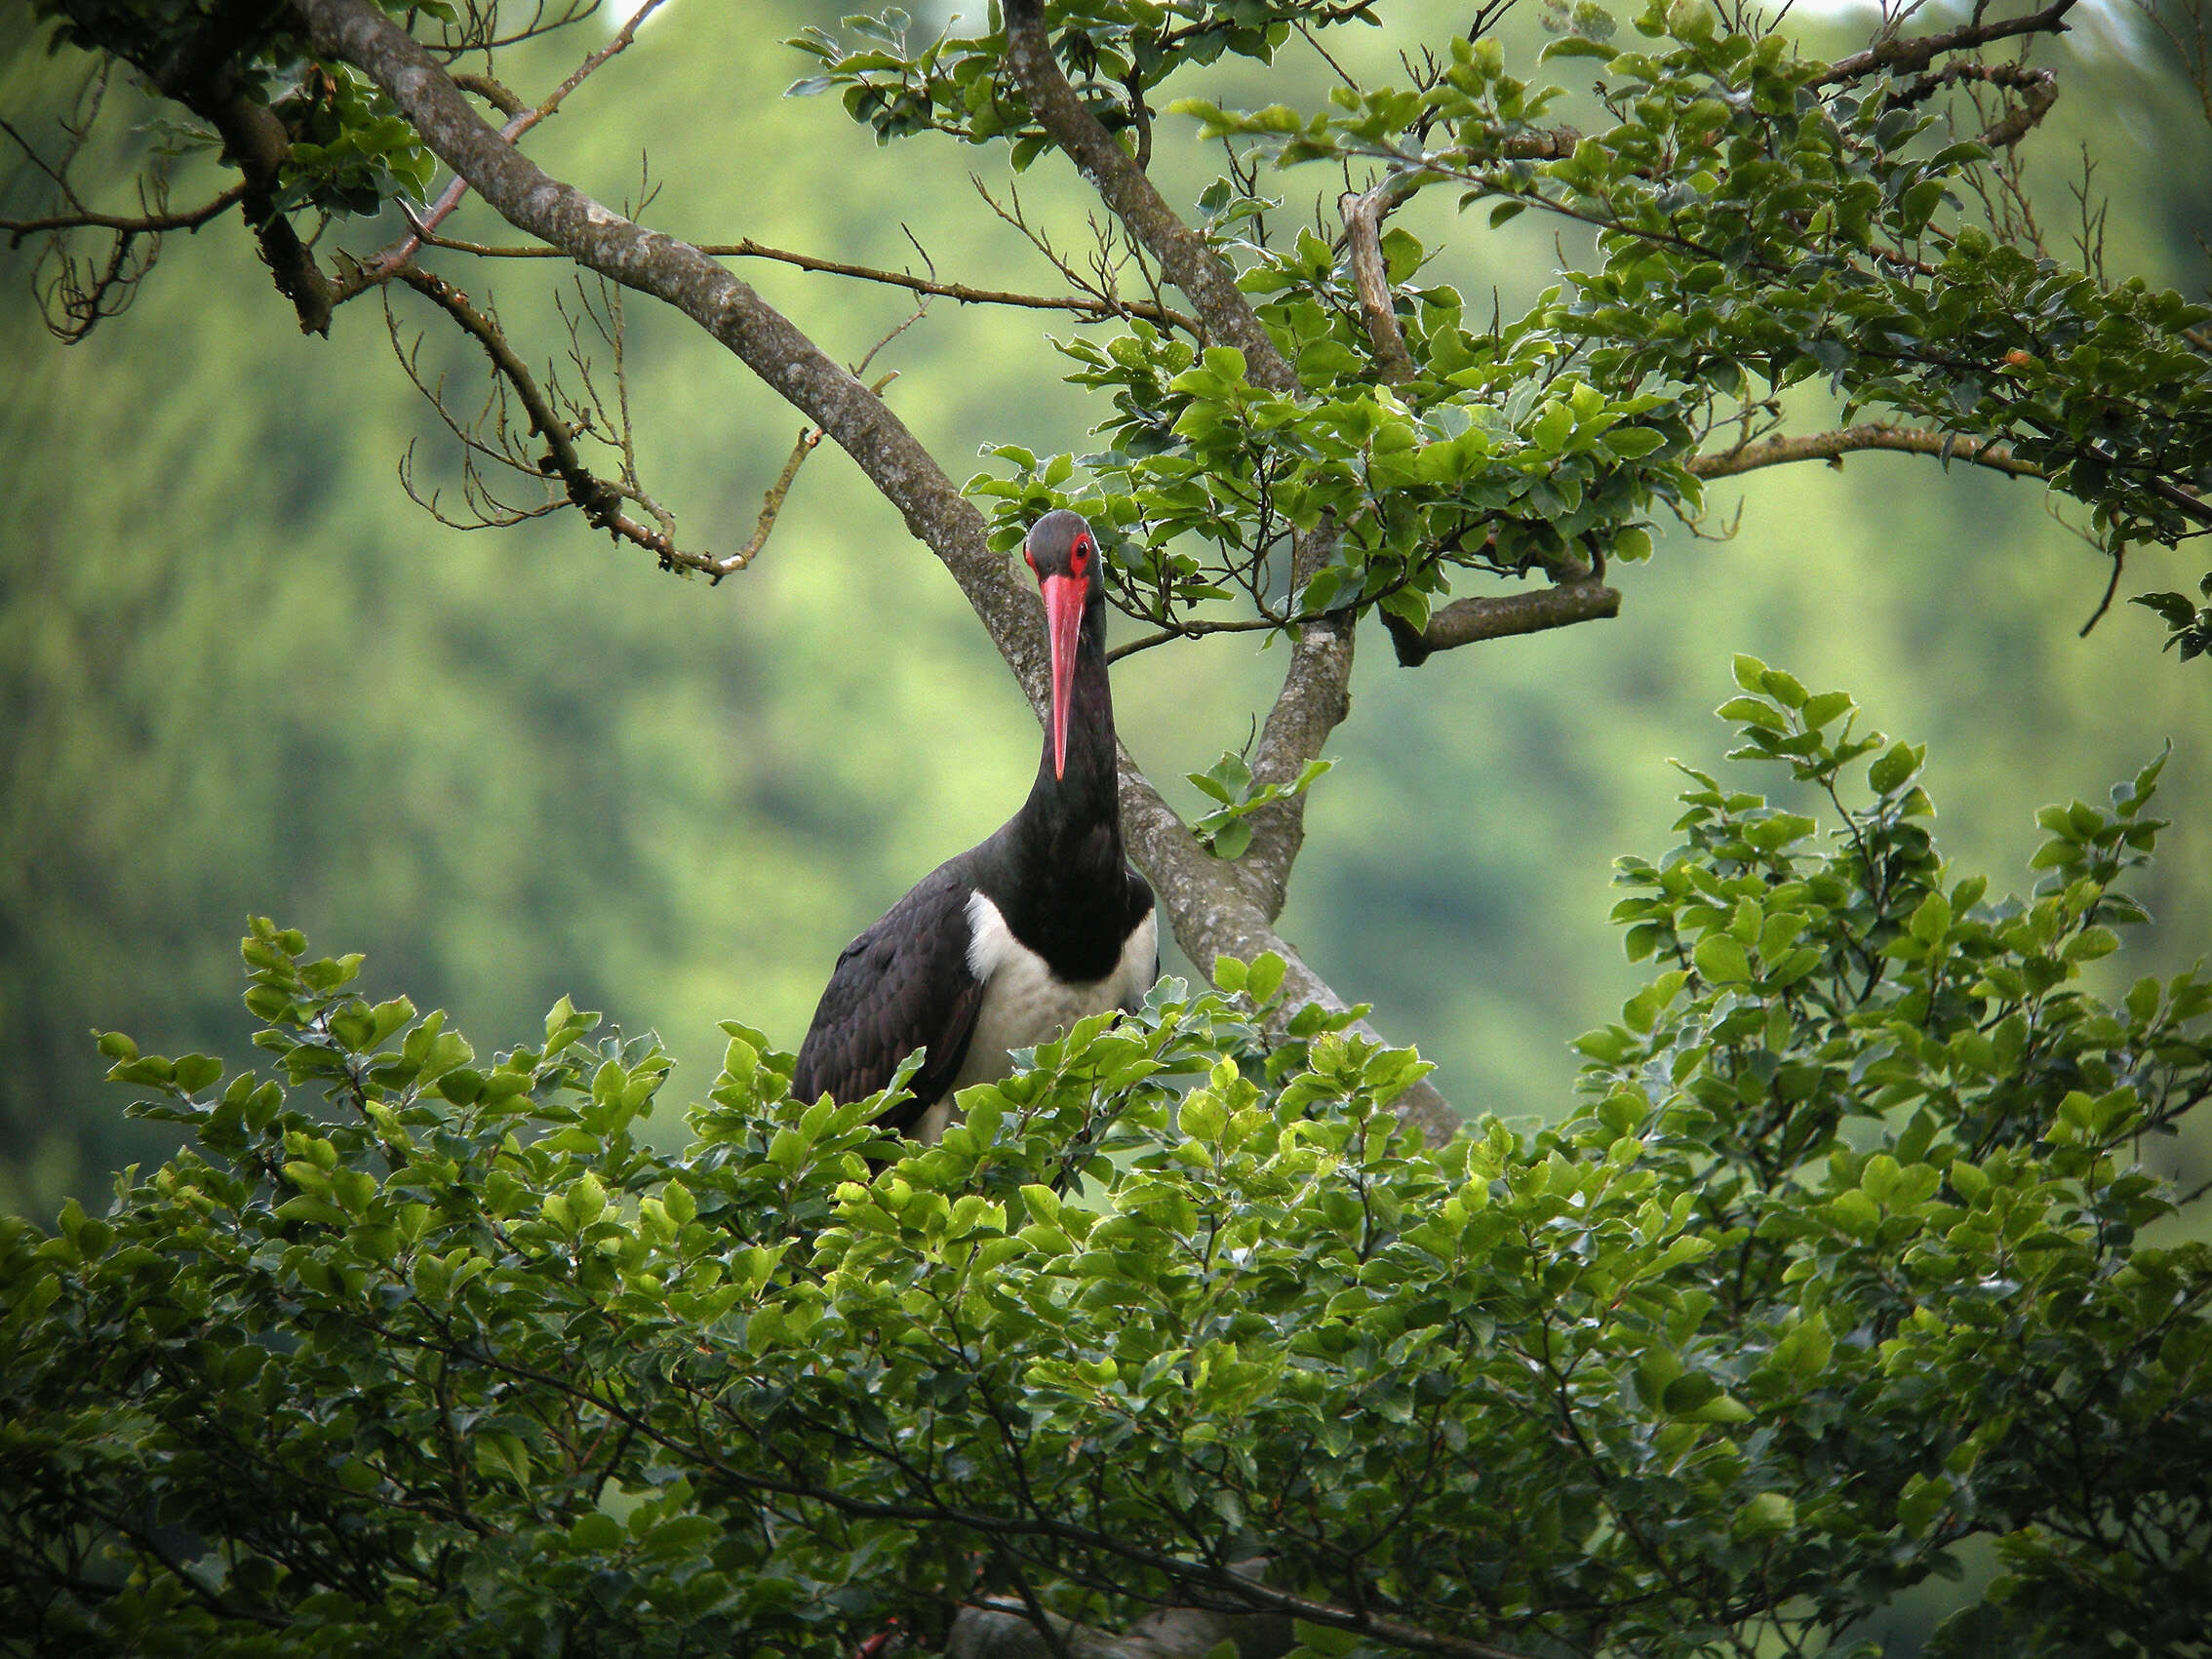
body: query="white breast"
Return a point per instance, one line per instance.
(1025, 1005)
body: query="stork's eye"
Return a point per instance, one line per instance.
(1080, 555)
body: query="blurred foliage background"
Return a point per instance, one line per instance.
(239, 672)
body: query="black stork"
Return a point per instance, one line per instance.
(1024, 934)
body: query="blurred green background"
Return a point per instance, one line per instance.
(239, 672)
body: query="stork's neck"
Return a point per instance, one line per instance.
(1072, 820)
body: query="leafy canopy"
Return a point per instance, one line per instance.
(1764, 220)
(1843, 1256)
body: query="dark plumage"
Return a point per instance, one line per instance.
(1009, 943)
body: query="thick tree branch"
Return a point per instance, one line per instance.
(1832, 446)
(1314, 701)
(1465, 621)
(1210, 911)
(258, 145)
(1918, 52)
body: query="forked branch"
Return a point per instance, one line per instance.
(605, 502)
(1183, 254)
(1906, 54)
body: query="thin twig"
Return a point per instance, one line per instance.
(2120, 563)
(599, 500)
(129, 224)
(748, 249)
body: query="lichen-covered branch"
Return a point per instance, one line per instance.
(1780, 451)
(1362, 214)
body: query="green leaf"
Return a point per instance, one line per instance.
(1894, 769)
(1769, 1515)
(1265, 977)
(1721, 960)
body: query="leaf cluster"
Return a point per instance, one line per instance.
(1843, 1258)
(1116, 51)
(351, 151)
(1764, 221)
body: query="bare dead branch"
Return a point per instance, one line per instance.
(773, 503)
(616, 44)
(1100, 285)
(75, 292)
(477, 28)
(1465, 621)
(600, 499)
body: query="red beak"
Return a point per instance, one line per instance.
(1064, 600)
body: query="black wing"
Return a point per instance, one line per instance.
(903, 985)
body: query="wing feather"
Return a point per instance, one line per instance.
(903, 985)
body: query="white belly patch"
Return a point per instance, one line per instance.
(1025, 1005)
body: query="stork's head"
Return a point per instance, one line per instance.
(1064, 553)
